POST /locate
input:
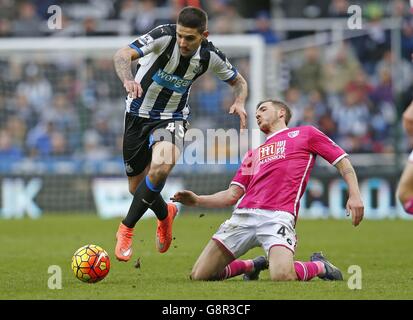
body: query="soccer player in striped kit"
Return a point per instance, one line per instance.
(171, 58)
(269, 185)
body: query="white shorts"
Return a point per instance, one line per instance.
(250, 228)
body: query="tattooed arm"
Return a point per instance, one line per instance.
(240, 89)
(123, 64)
(354, 203)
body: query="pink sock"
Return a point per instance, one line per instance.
(307, 270)
(236, 268)
(408, 206)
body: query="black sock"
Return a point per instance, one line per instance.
(144, 197)
(160, 208)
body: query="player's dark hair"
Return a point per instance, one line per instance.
(282, 105)
(192, 17)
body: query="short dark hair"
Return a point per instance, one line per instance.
(282, 105)
(192, 17)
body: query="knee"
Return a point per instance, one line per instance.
(132, 187)
(283, 275)
(158, 174)
(196, 275)
(406, 199)
(199, 273)
(401, 196)
(405, 187)
(404, 194)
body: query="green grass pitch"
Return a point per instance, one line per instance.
(383, 250)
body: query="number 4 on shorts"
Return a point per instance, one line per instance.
(281, 231)
(171, 127)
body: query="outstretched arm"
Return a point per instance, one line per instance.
(354, 203)
(240, 88)
(220, 199)
(123, 65)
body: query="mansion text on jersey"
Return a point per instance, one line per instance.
(271, 158)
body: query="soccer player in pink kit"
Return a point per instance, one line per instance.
(405, 187)
(271, 181)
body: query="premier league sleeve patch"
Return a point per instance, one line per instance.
(145, 40)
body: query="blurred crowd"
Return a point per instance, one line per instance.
(349, 99)
(64, 108)
(72, 107)
(23, 18)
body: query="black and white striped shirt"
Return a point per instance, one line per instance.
(166, 76)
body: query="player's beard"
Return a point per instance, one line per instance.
(264, 128)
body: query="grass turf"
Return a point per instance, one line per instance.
(28, 247)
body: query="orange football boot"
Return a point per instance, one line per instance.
(123, 250)
(164, 229)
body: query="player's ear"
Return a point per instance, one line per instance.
(281, 113)
(205, 34)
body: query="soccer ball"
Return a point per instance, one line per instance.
(90, 263)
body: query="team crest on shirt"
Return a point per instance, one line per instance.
(273, 151)
(197, 69)
(293, 134)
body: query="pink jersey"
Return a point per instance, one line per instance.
(274, 176)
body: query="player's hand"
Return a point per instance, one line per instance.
(239, 109)
(186, 197)
(133, 88)
(355, 206)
